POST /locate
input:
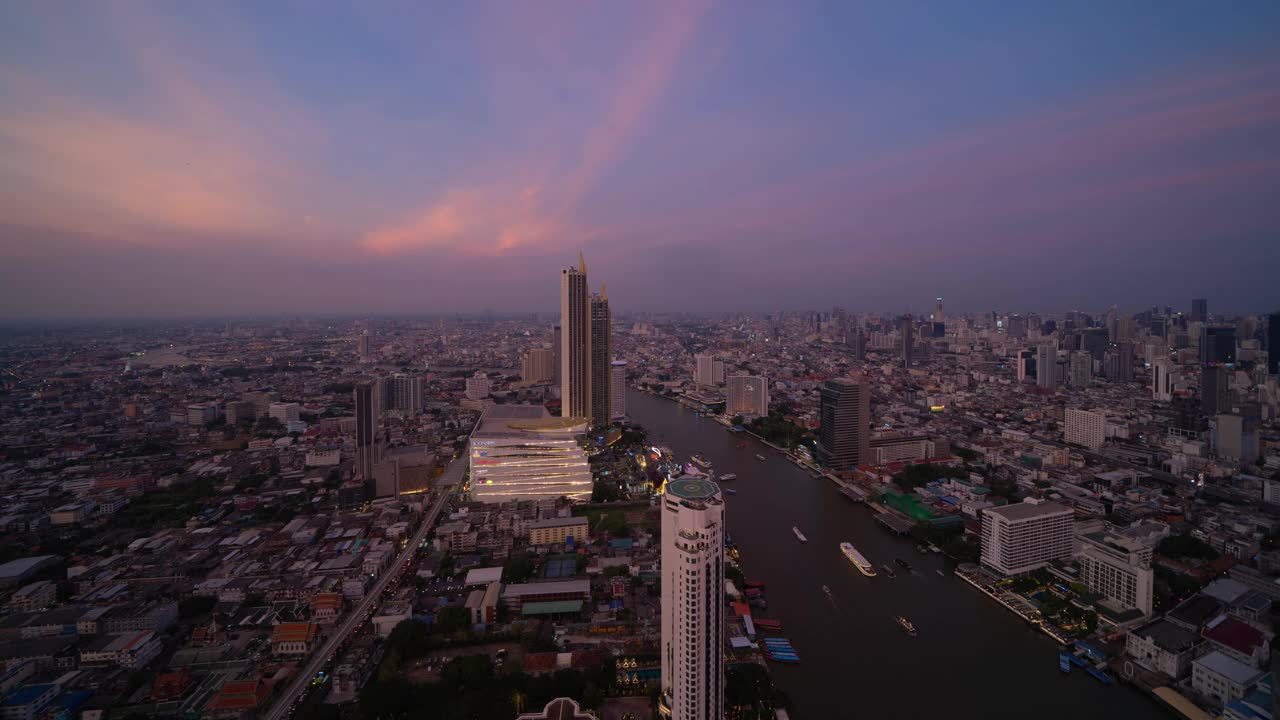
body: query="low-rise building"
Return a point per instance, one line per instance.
(294, 638)
(1221, 678)
(1163, 647)
(129, 650)
(26, 702)
(556, 531)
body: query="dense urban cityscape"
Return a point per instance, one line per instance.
(675, 360)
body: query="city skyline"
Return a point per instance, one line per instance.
(186, 161)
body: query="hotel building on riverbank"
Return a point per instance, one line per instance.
(692, 601)
(1024, 536)
(521, 452)
(747, 395)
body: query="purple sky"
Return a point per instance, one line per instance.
(232, 158)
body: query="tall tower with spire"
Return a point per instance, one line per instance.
(575, 341)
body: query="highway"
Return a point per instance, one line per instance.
(284, 703)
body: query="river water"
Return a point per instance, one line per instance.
(972, 658)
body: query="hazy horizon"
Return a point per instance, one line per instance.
(183, 161)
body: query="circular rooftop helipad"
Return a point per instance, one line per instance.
(692, 488)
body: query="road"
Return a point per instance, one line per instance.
(284, 703)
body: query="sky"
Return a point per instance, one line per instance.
(208, 159)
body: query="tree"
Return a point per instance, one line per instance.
(196, 606)
(737, 420)
(410, 638)
(453, 618)
(518, 568)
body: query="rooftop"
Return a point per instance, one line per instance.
(1168, 636)
(1027, 510)
(1235, 634)
(499, 420)
(1233, 670)
(693, 489)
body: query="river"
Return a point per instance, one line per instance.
(972, 657)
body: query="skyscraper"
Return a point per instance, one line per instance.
(843, 438)
(404, 393)
(859, 342)
(708, 369)
(747, 395)
(362, 346)
(1215, 388)
(575, 342)
(368, 439)
(937, 313)
(1047, 366)
(1163, 379)
(1273, 343)
(618, 390)
(1017, 327)
(556, 349)
(1080, 371)
(908, 339)
(537, 366)
(601, 346)
(692, 601)
(1218, 345)
(1026, 364)
(1199, 310)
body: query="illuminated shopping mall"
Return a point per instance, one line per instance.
(521, 452)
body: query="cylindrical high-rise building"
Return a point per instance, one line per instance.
(692, 601)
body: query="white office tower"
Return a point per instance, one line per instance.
(748, 396)
(692, 601)
(478, 386)
(1085, 428)
(1118, 568)
(538, 366)
(1025, 536)
(1047, 366)
(284, 412)
(618, 390)
(1163, 379)
(709, 369)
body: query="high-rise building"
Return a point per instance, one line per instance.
(404, 393)
(1215, 389)
(618, 390)
(368, 434)
(1085, 428)
(557, 349)
(708, 369)
(601, 356)
(747, 395)
(285, 412)
(238, 411)
(1199, 310)
(538, 366)
(907, 326)
(1022, 537)
(1080, 372)
(363, 348)
(575, 342)
(1017, 327)
(937, 311)
(693, 526)
(858, 340)
(1026, 364)
(844, 438)
(1218, 345)
(1163, 380)
(1235, 438)
(1273, 343)
(1047, 366)
(1118, 568)
(478, 386)
(1119, 362)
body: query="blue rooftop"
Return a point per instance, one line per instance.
(26, 694)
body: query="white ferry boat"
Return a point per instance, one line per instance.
(799, 535)
(856, 558)
(727, 477)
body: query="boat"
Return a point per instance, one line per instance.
(799, 535)
(940, 573)
(1076, 660)
(922, 549)
(760, 457)
(1100, 675)
(753, 584)
(1063, 663)
(888, 570)
(906, 625)
(701, 462)
(768, 624)
(731, 491)
(934, 548)
(857, 559)
(905, 565)
(727, 477)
